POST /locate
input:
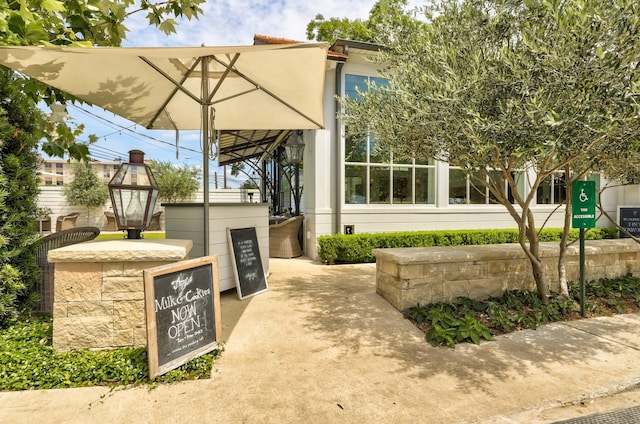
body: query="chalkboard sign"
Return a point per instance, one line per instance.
(629, 219)
(183, 312)
(247, 263)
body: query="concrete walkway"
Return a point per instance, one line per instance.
(322, 347)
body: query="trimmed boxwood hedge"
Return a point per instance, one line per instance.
(357, 248)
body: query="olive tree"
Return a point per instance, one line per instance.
(86, 189)
(175, 183)
(510, 89)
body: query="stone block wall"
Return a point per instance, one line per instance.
(408, 276)
(99, 291)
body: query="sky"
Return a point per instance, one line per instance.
(224, 22)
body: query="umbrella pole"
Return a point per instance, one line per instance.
(205, 150)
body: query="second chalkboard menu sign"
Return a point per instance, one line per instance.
(629, 219)
(247, 263)
(183, 312)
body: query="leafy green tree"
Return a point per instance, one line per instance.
(175, 183)
(384, 16)
(501, 87)
(22, 124)
(86, 189)
(19, 135)
(78, 24)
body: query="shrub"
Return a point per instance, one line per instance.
(19, 135)
(357, 248)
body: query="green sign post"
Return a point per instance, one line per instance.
(583, 215)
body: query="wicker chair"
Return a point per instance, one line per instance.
(283, 238)
(155, 222)
(49, 242)
(65, 222)
(111, 221)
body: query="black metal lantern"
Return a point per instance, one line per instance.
(294, 148)
(134, 192)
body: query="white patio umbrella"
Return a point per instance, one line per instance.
(189, 88)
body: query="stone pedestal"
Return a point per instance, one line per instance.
(99, 291)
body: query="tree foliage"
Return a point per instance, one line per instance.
(78, 24)
(385, 18)
(500, 87)
(19, 134)
(22, 124)
(86, 189)
(175, 183)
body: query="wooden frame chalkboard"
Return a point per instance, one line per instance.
(247, 262)
(182, 302)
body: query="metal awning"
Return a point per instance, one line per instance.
(240, 145)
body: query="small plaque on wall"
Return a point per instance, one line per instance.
(349, 229)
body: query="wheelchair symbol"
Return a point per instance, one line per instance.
(583, 196)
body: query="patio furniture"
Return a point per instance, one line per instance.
(66, 222)
(44, 224)
(283, 238)
(111, 221)
(44, 287)
(155, 222)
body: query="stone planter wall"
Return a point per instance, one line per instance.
(408, 276)
(99, 291)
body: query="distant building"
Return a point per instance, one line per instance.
(59, 172)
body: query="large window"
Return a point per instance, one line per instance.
(464, 190)
(373, 175)
(552, 190)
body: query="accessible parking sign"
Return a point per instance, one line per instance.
(583, 204)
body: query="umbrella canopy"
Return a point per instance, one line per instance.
(279, 86)
(249, 87)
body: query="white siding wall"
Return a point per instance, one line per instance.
(52, 197)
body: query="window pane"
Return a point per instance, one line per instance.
(380, 82)
(379, 184)
(402, 186)
(378, 154)
(423, 161)
(477, 192)
(354, 184)
(425, 185)
(543, 195)
(559, 188)
(353, 81)
(496, 180)
(356, 148)
(457, 187)
(519, 178)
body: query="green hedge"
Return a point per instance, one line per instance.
(357, 248)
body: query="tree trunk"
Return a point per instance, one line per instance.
(564, 240)
(533, 253)
(541, 280)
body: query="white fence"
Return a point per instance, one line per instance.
(53, 198)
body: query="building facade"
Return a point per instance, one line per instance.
(353, 186)
(58, 172)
